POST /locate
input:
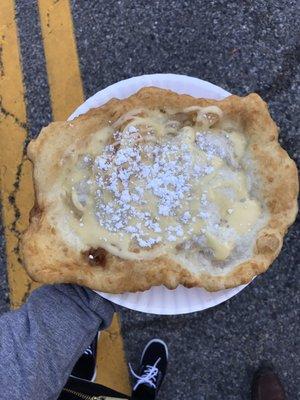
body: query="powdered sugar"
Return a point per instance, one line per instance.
(138, 174)
(132, 174)
(147, 186)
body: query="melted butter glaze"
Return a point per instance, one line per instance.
(154, 182)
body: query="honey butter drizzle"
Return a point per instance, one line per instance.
(155, 182)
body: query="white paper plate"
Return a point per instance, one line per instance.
(159, 300)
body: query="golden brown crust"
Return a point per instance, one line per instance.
(47, 257)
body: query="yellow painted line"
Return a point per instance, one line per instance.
(15, 169)
(66, 93)
(61, 57)
(110, 372)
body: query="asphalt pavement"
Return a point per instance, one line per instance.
(242, 46)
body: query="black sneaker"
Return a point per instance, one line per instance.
(85, 367)
(152, 371)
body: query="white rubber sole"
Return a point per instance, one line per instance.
(94, 376)
(155, 340)
(86, 380)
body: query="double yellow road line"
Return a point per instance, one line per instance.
(66, 93)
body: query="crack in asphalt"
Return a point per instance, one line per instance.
(12, 200)
(1, 62)
(7, 113)
(12, 196)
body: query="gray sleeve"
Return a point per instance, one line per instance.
(41, 341)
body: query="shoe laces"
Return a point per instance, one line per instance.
(148, 377)
(88, 351)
